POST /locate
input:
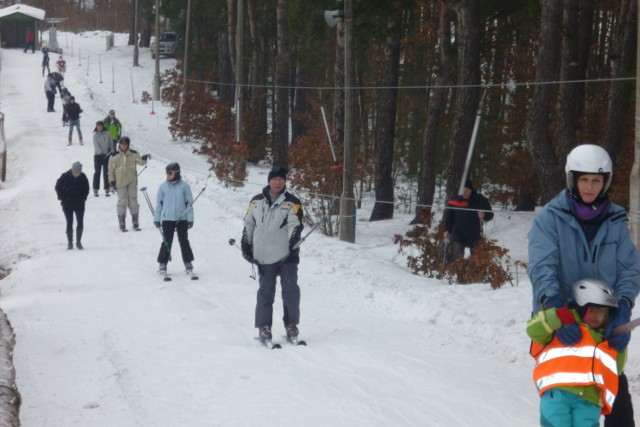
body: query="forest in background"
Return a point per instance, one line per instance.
(545, 75)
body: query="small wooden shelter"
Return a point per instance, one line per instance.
(14, 21)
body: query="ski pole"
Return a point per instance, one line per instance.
(297, 245)
(146, 196)
(167, 247)
(189, 207)
(142, 170)
(629, 326)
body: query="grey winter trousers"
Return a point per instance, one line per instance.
(268, 274)
(128, 197)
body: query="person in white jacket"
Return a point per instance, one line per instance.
(174, 212)
(272, 231)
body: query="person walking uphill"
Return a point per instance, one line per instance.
(72, 189)
(272, 230)
(50, 90)
(173, 212)
(578, 234)
(102, 148)
(114, 127)
(123, 178)
(73, 114)
(463, 222)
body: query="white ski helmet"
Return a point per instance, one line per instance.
(594, 291)
(589, 158)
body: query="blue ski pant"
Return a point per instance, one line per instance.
(559, 408)
(268, 274)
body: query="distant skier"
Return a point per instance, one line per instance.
(65, 97)
(174, 212)
(61, 64)
(123, 178)
(272, 229)
(45, 60)
(102, 148)
(30, 41)
(72, 189)
(73, 114)
(50, 92)
(114, 127)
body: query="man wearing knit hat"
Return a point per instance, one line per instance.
(270, 239)
(72, 189)
(463, 220)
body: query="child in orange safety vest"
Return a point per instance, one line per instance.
(576, 383)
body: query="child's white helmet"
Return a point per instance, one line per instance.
(589, 158)
(594, 291)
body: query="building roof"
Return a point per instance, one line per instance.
(23, 9)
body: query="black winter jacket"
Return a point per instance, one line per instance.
(463, 223)
(72, 191)
(73, 111)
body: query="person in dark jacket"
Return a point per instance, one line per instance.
(50, 91)
(102, 148)
(73, 188)
(73, 114)
(270, 238)
(45, 60)
(463, 220)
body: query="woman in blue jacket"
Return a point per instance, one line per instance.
(580, 234)
(173, 212)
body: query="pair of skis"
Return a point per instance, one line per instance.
(167, 278)
(268, 343)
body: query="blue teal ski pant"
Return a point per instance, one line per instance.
(559, 408)
(268, 274)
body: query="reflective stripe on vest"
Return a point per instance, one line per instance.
(581, 365)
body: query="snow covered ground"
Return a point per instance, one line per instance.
(102, 341)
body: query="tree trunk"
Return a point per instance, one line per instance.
(622, 65)
(546, 164)
(383, 208)
(281, 116)
(435, 110)
(467, 99)
(257, 120)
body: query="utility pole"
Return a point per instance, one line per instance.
(185, 68)
(135, 34)
(239, 69)
(156, 76)
(634, 179)
(347, 200)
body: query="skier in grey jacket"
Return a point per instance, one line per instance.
(102, 148)
(272, 230)
(174, 212)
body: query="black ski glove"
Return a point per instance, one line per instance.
(189, 224)
(157, 224)
(146, 157)
(247, 250)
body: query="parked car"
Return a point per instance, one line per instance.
(167, 46)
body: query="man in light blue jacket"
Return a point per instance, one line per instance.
(174, 212)
(581, 234)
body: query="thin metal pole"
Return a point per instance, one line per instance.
(156, 77)
(347, 202)
(239, 68)
(185, 68)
